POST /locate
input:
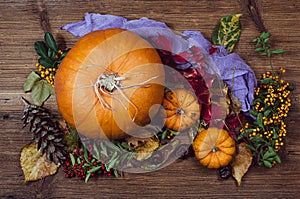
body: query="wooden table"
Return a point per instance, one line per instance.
(20, 27)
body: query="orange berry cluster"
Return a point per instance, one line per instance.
(48, 73)
(273, 105)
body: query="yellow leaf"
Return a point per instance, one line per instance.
(145, 151)
(241, 163)
(228, 31)
(34, 165)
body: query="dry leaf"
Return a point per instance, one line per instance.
(241, 162)
(34, 165)
(145, 151)
(142, 136)
(235, 104)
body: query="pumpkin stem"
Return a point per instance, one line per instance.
(179, 111)
(110, 82)
(214, 149)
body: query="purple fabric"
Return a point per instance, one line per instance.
(232, 67)
(226, 65)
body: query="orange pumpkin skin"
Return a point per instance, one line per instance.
(96, 53)
(182, 109)
(214, 148)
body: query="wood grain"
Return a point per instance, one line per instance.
(20, 27)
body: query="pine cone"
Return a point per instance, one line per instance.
(45, 130)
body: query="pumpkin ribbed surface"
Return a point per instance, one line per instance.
(214, 148)
(182, 109)
(95, 111)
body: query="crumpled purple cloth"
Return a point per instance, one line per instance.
(228, 66)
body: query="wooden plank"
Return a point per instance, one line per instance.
(20, 27)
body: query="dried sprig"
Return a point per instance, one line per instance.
(252, 9)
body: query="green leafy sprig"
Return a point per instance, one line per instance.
(265, 135)
(50, 55)
(41, 83)
(264, 48)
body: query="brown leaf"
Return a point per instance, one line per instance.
(34, 165)
(143, 146)
(235, 104)
(241, 162)
(142, 136)
(145, 151)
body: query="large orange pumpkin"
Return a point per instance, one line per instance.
(214, 148)
(182, 109)
(108, 82)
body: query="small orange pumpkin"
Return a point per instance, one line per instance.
(214, 148)
(108, 82)
(182, 109)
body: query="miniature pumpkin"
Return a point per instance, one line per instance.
(108, 82)
(182, 109)
(214, 148)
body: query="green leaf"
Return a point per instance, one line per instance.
(228, 31)
(267, 112)
(46, 62)
(85, 154)
(50, 42)
(256, 100)
(267, 163)
(277, 159)
(279, 51)
(259, 49)
(116, 173)
(51, 54)
(264, 54)
(72, 159)
(87, 177)
(256, 139)
(41, 90)
(175, 132)
(164, 134)
(40, 48)
(94, 169)
(96, 151)
(253, 112)
(267, 81)
(269, 154)
(103, 150)
(112, 146)
(250, 147)
(259, 120)
(266, 40)
(264, 35)
(30, 81)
